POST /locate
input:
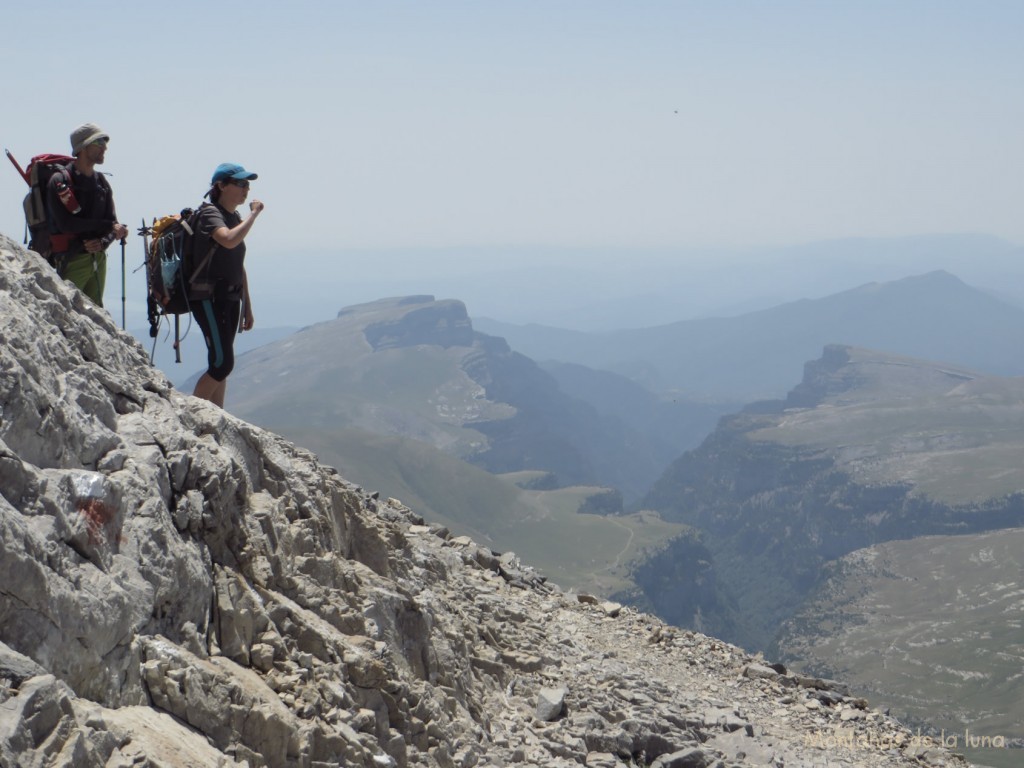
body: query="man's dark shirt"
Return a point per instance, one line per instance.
(96, 219)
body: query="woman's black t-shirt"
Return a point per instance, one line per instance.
(226, 267)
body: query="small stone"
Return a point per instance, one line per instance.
(551, 703)
(611, 609)
(759, 672)
(262, 656)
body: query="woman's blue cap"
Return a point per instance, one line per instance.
(231, 171)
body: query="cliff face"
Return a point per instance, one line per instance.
(679, 583)
(180, 588)
(441, 323)
(869, 448)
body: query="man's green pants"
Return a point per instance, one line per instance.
(89, 272)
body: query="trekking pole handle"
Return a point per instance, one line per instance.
(144, 232)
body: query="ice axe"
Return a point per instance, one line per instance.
(21, 171)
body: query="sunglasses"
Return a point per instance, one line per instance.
(100, 142)
(244, 184)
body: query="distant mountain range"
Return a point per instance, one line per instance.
(758, 355)
(603, 289)
(415, 368)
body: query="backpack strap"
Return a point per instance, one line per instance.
(201, 266)
(199, 270)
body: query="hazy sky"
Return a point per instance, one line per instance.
(583, 124)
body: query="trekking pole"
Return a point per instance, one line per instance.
(177, 339)
(123, 242)
(21, 170)
(151, 316)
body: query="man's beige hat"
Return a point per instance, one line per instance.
(84, 135)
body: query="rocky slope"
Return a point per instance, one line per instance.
(180, 588)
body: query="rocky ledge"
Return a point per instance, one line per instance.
(180, 588)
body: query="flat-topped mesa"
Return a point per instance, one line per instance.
(844, 375)
(441, 323)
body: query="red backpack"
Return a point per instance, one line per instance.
(41, 169)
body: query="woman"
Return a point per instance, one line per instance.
(218, 311)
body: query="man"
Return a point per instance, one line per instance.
(87, 232)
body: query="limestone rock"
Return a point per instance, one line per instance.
(760, 671)
(551, 703)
